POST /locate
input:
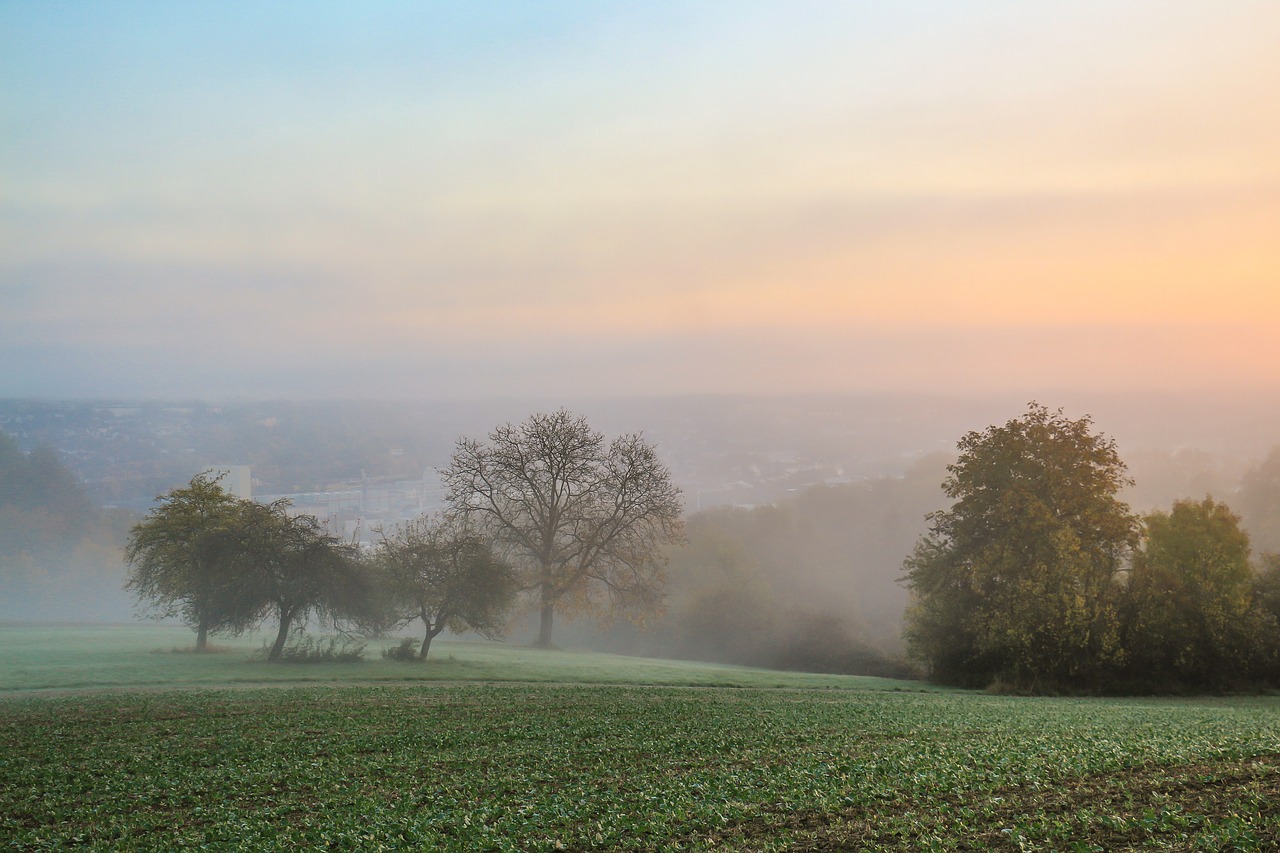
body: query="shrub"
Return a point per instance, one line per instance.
(312, 650)
(407, 650)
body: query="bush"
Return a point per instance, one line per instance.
(407, 650)
(811, 641)
(312, 650)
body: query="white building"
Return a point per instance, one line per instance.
(235, 479)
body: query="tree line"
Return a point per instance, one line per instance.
(59, 553)
(1039, 578)
(546, 507)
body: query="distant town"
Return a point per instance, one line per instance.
(360, 466)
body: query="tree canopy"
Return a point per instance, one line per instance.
(1014, 582)
(436, 570)
(223, 563)
(179, 561)
(59, 554)
(583, 520)
(1259, 502)
(1192, 620)
(288, 567)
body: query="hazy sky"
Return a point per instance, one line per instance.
(603, 198)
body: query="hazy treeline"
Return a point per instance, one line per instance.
(811, 581)
(59, 553)
(1258, 502)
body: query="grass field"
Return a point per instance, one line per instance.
(543, 766)
(151, 655)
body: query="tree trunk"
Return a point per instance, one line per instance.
(544, 624)
(202, 637)
(282, 636)
(432, 633)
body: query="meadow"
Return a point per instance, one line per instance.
(726, 759)
(149, 655)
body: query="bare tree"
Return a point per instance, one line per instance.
(584, 521)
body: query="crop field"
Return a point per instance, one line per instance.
(544, 766)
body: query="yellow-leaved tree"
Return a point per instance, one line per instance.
(1018, 581)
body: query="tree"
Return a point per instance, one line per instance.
(179, 562)
(1017, 581)
(1260, 502)
(437, 571)
(1266, 584)
(1266, 597)
(38, 481)
(226, 564)
(582, 520)
(289, 568)
(60, 556)
(1192, 623)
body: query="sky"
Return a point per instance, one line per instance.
(444, 200)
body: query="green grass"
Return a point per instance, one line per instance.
(544, 766)
(150, 655)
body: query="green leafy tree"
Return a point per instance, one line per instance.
(287, 568)
(1266, 584)
(584, 521)
(437, 571)
(1192, 620)
(179, 561)
(1017, 581)
(1266, 597)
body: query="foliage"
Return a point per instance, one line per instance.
(436, 570)
(314, 650)
(289, 568)
(59, 555)
(180, 564)
(405, 650)
(616, 768)
(583, 520)
(1017, 580)
(1266, 584)
(1259, 502)
(39, 480)
(1191, 617)
(1266, 598)
(225, 564)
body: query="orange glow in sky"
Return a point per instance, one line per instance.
(234, 199)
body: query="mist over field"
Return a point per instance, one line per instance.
(802, 250)
(799, 510)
